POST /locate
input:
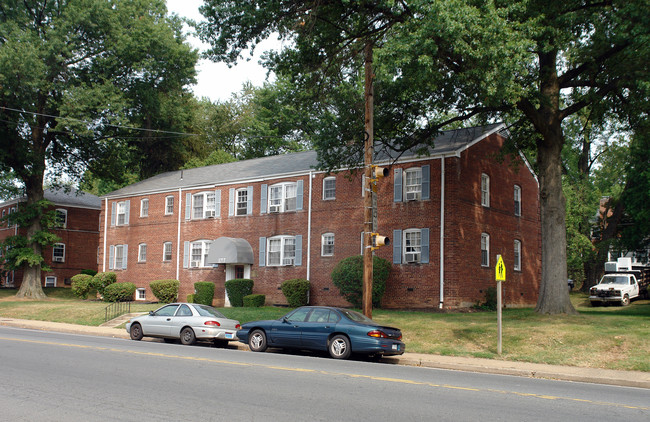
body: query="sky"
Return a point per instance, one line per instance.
(215, 80)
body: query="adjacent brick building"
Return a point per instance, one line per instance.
(77, 227)
(276, 218)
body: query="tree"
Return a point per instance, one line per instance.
(530, 63)
(75, 78)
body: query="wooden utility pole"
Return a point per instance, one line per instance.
(366, 299)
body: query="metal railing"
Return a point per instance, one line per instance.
(116, 309)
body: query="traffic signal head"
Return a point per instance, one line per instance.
(378, 172)
(379, 240)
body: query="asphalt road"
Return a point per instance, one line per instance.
(50, 376)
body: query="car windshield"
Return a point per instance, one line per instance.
(612, 279)
(356, 316)
(208, 311)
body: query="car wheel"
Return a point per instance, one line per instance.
(136, 332)
(187, 336)
(339, 347)
(257, 341)
(625, 301)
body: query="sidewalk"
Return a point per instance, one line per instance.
(492, 366)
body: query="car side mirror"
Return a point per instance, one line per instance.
(150, 313)
(285, 319)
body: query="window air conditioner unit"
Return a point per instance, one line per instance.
(274, 208)
(194, 264)
(412, 196)
(210, 214)
(411, 258)
(57, 259)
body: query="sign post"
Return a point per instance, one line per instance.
(500, 275)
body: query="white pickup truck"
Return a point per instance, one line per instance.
(620, 286)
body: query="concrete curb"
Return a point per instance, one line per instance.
(491, 366)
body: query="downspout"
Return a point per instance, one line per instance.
(105, 233)
(442, 231)
(178, 233)
(309, 227)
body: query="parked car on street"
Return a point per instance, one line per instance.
(339, 331)
(187, 322)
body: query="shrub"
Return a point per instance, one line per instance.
(91, 273)
(347, 276)
(204, 292)
(296, 291)
(82, 284)
(237, 289)
(101, 280)
(165, 291)
(190, 298)
(254, 301)
(119, 292)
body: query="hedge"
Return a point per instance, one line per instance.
(348, 277)
(165, 291)
(190, 298)
(119, 292)
(101, 280)
(204, 292)
(82, 284)
(237, 289)
(296, 291)
(254, 301)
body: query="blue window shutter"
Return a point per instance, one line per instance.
(426, 181)
(424, 252)
(113, 211)
(362, 240)
(231, 202)
(397, 185)
(298, 261)
(397, 246)
(299, 195)
(188, 206)
(217, 203)
(263, 200)
(125, 252)
(127, 209)
(262, 251)
(111, 256)
(249, 204)
(186, 254)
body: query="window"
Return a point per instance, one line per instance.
(412, 184)
(485, 250)
(122, 213)
(242, 201)
(329, 188)
(199, 253)
(327, 244)
(517, 255)
(169, 205)
(119, 257)
(61, 218)
(412, 245)
(281, 251)
(517, 201)
(58, 252)
(144, 207)
(203, 205)
(142, 252)
(283, 197)
(485, 190)
(50, 281)
(141, 294)
(167, 251)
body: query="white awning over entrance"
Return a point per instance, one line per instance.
(230, 250)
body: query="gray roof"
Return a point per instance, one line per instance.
(448, 142)
(69, 197)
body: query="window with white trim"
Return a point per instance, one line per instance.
(485, 190)
(283, 197)
(412, 245)
(142, 252)
(329, 188)
(141, 294)
(203, 205)
(61, 218)
(58, 252)
(242, 201)
(169, 205)
(50, 281)
(119, 257)
(121, 213)
(144, 207)
(327, 244)
(281, 250)
(199, 253)
(412, 184)
(167, 251)
(485, 250)
(517, 255)
(517, 197)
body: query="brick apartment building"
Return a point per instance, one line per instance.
(277, 218)
(77, 216)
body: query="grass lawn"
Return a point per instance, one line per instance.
(610, 337)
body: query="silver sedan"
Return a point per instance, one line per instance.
(187, 322)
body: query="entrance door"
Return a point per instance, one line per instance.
(235, 271)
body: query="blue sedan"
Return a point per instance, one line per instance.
(339, 331)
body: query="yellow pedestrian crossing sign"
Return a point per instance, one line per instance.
(500, 269)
